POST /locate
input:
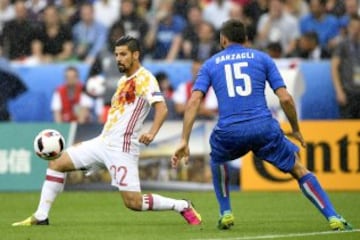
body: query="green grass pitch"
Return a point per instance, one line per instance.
(102, 216)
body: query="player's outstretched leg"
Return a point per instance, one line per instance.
(154, 202)
(53, 185)
(220, 178)
(312, 189)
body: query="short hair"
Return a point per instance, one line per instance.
(275, 46)
(161, 76)
(72, 68)
(312, 36)
(132, 43)
(234, 30)
(355, 17)
(321, 2)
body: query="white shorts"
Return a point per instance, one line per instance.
(123, 167)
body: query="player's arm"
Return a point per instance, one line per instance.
(192, 108)
(57, 116)
(287, 103)
(340, 94)
(161, 112)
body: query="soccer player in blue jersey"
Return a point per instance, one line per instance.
(238, 76)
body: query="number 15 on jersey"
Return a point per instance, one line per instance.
(232, 73)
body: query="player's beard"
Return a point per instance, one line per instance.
(123, 68)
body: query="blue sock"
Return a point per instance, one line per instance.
(312, 189)
(220, 178)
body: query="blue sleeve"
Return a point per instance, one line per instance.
(273, 75)
(100, 40)
(344, 21)
(203, 80)
(335, 25)
(179, 24)
(303, 23)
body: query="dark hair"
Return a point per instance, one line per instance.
(275, 46)
(355, 17)
(71, 68)
(160, 76)
(321, 2)
(312, 36)
(234, 30)
(131, 42)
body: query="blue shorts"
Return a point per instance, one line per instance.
(263, 137)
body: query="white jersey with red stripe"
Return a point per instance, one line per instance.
(130, 105)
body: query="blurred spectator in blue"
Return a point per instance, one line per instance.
(133, 25)
(345, 69)
(35, 9)
(205, 45)
(164, 36)
(238, 12)
(216, 12)
(278, 26)
(190, 32)
(298, 8)
(308, 47)
(55, 37)
(69, 12)
(69, 102)
(352, 8)
(18, 34)
(325, 25)
(89, 38)
(7, 13)
(11, 85)
(107, 11)
(209, 107)
(181, 7)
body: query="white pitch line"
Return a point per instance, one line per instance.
(290, 235)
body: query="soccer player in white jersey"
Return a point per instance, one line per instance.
(117, 147)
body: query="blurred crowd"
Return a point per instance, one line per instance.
(46, 31)
(61, 30)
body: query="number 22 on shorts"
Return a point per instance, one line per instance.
(120, 170)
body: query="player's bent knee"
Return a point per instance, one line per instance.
(299, 170)
(62, 164)
(132, 200)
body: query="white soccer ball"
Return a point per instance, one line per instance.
(95, 86)
(49, 144)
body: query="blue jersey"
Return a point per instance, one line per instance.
(238, 76)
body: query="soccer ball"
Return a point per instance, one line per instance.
(95, 86)
(49, 144)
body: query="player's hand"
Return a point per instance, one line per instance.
(146, 138)
(298, 136)
(181, 153)
(341, 98)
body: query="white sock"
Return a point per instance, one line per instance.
(156, 202)
(53, 185)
